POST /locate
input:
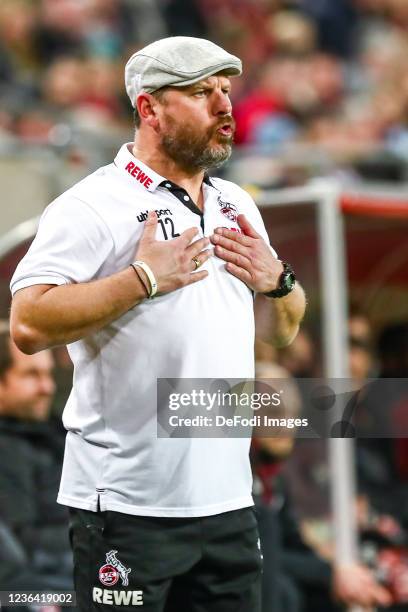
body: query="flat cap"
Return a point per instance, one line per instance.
(176, 61)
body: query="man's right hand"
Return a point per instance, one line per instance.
(171, 261)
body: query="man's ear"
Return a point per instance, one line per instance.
(146, 105)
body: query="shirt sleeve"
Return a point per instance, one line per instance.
(71, 245)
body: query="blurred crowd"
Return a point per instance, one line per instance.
(331, 74)
(292, 477)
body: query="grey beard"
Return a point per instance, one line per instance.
(213, 158)
(193, 156)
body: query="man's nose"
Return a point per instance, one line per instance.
(222, 104)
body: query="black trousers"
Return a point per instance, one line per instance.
(207, 564)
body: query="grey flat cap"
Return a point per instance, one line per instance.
(176, 61)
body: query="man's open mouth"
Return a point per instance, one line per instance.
(225, 130)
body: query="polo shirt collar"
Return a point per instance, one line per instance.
(135, 170)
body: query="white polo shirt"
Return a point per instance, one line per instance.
(113, 458)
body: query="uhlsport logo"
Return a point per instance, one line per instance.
(113, 569)
(160, 212)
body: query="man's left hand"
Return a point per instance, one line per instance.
(248, 256)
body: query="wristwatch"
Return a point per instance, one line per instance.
(286, 283)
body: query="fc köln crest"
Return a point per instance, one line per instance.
(228, 210)
(113, 569)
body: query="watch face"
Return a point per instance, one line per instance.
(288, 281)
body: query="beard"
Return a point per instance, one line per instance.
(191, 148)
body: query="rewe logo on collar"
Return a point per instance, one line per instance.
(139, 175)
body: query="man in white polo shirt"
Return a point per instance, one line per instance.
(121, 270)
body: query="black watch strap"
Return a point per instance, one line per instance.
(286, 282)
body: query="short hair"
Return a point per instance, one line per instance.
(6, 359)
(159, 95)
